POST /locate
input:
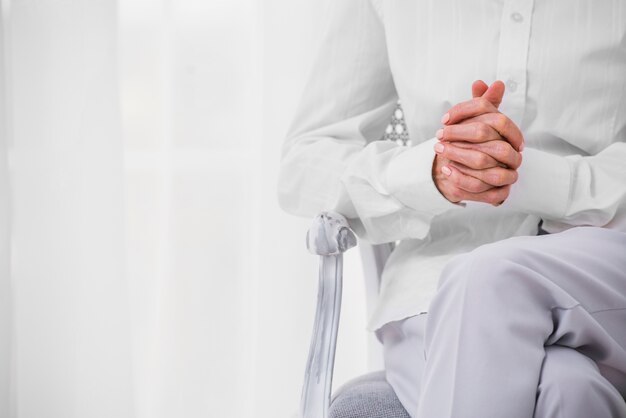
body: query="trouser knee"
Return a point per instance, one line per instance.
(572, 386)
(488, 276)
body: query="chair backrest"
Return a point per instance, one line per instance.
(373, 259)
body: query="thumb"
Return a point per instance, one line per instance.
(479, 87)
(494, 93)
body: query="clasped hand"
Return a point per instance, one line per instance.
(479, 149)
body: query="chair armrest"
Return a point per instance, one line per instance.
(329, 237)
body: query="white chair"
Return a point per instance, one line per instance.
(368, 396)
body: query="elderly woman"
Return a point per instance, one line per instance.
(506, 295)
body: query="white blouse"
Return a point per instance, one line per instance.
(564, 66)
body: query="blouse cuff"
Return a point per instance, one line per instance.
(409, 179)
(543, 185)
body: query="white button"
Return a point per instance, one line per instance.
(512, 85)
(398, 114)
(517, 17)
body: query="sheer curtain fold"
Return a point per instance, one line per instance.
(5, 278)
(71, 348)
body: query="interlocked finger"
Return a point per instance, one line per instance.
(504, 126)
(467, 183)
(453, 185)
(469, 157)
(470, 132)
(496, 176)
(499, 150)
(468, 109)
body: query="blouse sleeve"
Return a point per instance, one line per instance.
(332, 158)
(572, 190)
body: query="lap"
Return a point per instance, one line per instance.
(570, 287)
(587, 247)
(587, 263)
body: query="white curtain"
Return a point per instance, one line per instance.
(6, 318)
(146, 270)
(70, 308)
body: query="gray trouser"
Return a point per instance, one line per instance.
(529, 326)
